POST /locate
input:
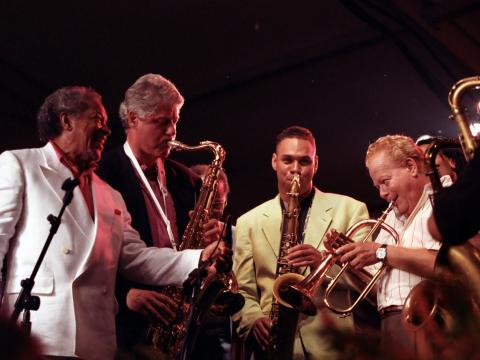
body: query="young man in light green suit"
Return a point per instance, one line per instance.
(258, 244)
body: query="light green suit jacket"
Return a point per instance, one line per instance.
(255, 262)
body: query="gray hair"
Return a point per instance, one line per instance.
(149, 93)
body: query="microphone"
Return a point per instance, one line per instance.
(70, 184)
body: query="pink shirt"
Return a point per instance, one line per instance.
(85, 178)
(158, 228)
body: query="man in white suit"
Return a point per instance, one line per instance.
(76, 280)
(258, 242)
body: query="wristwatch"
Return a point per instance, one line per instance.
(381, 253)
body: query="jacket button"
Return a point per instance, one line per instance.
(66, 250)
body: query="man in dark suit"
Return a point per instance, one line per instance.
(159, 194)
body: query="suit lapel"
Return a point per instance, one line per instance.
(101, 252)
(55, 174)
(319, 221)
(271, 223)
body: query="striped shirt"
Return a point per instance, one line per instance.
(395, 284)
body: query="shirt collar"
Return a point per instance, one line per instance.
(70, 165)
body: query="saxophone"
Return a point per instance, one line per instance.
(283, 320)
(170, 339)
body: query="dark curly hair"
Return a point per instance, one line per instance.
(69, 99)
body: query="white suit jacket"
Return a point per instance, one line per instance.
(77, 278)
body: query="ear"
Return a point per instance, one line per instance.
(274, 161)
(315, 164)
(412, 167)
(66, 121)
(132, 119)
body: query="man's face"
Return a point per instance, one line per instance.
(396, 183)
(89, 133)
(150, 136)
(295, 156)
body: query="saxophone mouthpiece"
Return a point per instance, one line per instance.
(174, 143)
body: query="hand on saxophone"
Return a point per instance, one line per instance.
(261, 332)
(305, 255)
(212, 231)
(152, 304)
(219, 256)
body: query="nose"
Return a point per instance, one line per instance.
(171, 129)
(106, 130)
(383, 193)
(295, 169)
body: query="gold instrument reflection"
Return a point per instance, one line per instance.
(446, 308)
(223, 287)
(299, 292)
(283, 319)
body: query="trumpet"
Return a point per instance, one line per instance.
(301, 294)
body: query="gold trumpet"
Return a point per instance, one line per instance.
(301, 294)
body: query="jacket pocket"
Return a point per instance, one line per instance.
(44, 285)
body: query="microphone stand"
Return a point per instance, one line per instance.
(192, 288)
(25, 300)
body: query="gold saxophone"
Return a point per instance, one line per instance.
(283, 320)
(170, 339)
(447, 307)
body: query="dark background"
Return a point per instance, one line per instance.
(351, 71)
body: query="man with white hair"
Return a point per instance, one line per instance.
(159, 194)
(396, 167)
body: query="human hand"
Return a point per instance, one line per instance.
(305, 255)
(358, 254)
(212, 231)
(152, 304)
(261, 332)
(217, 250)
(223, 258)
(334, 240)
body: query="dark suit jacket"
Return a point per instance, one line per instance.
(116, 169)
(456, 208)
